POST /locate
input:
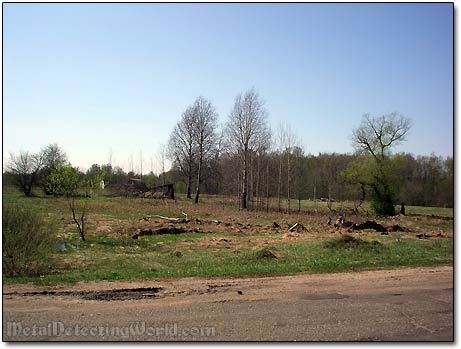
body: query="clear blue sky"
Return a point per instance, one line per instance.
(94, 77)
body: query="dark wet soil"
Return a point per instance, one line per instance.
(104, 295)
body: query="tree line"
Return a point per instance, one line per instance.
(247, 160)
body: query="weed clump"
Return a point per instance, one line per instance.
(349, 241)
(265, 253)
(26, 242)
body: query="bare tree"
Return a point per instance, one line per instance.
(246, 130)
(181, 146)
(290, 142)
(205, 136)
(110, 156)
(376, 135)
(299, 174)
(263, 152)
(53, 156)
(140, 163)
(162, 157)
(131, 163)
(281, 141)
(26, 167)
(81, 220)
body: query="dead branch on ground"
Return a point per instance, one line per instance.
(297, 227)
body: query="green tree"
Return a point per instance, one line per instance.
(52, 156)
(92, 179)
(375, 137)
(62, 181)
(358, 176)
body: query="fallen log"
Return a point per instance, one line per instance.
(297, 227)
(172, 219)
(423, 236)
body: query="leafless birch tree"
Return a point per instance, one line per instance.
(246, 130)
(193, 142)
(205, 136)
(181, 145)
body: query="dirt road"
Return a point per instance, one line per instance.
(384, 305)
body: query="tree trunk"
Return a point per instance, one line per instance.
(239, 200)
(289, 182)
(244, 181)
(267, 186)
(250, 185)
(315, 195)
(257, 182)
(189, 186)
(199, 175)
(197, 193)
(280, 184)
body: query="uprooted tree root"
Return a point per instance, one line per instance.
(341, 222)
(162, 231)
(370, 225)
(428, 236)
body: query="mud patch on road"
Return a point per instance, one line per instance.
(322, 296)
(104, 295)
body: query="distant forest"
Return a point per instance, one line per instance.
(421, 180)
(246, 160)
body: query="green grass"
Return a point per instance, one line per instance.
(114, 256)
(427, 211)
(107, 261)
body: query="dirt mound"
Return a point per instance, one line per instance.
(397, 227)
(291, 236)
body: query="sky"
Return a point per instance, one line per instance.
(100, 79)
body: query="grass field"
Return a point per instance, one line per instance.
(220, 240)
